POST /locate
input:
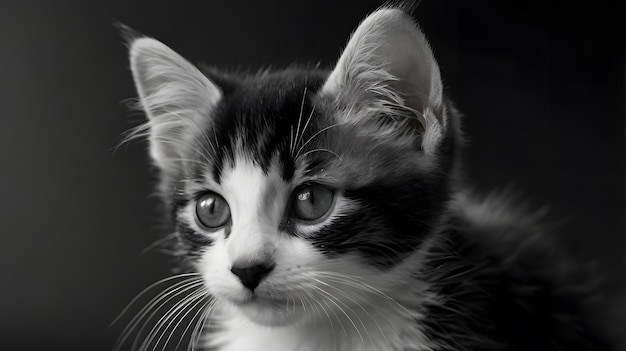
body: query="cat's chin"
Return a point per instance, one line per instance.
(269, 313)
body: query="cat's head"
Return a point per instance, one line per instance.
(302, 184)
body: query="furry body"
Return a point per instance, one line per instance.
(337, 215)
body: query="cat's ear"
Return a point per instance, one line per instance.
(388, 75)
(176, 96)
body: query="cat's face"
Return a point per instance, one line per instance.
(299, 188)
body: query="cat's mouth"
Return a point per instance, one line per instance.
(267, 310)
(259, 300)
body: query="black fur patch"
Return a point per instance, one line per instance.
(261, 114)
(493, 299)
(395, 218)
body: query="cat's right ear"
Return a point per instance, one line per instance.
(176, 96)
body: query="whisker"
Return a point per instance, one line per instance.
(331, 298)
(159, 242)
(345, 331)
(201, 294)
(324, 150)
(159, 300)
(314, 136)
(305, 126)
(330, 320)
(300, 116)
(355, 282)
(152, 286)
(199, 325)
(291, 140)
(359, 305)
(162, 301)
(171, 314)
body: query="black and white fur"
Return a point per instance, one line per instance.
(406, 259)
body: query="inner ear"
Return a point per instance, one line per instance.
(388, 69)
(177, 97)
(388, 51)
(416, 73)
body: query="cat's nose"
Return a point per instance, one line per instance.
(252, 274)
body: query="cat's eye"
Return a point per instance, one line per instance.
(311, 202)
(212, 211)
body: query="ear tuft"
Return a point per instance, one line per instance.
(388, 74)
(177, 97)
(128, 34)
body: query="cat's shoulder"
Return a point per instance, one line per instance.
(518, 240)
(508, 262)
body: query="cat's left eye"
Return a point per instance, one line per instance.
(212, 211)
(311, 202)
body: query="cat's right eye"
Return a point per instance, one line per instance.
(212, 211)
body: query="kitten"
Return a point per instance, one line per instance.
(325, 210)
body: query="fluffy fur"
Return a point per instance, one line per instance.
(404, 259)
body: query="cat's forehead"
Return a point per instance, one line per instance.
(280, 120)
(267, 118)
(271, 91)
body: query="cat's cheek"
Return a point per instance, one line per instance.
(295, 254)
(212, 265)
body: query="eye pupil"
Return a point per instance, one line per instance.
(212, 211)
(208, 204)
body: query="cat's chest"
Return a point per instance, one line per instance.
(360, 332)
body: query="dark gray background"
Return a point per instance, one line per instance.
(541, 84)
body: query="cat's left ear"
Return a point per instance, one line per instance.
(177, 97)
(388, 75)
